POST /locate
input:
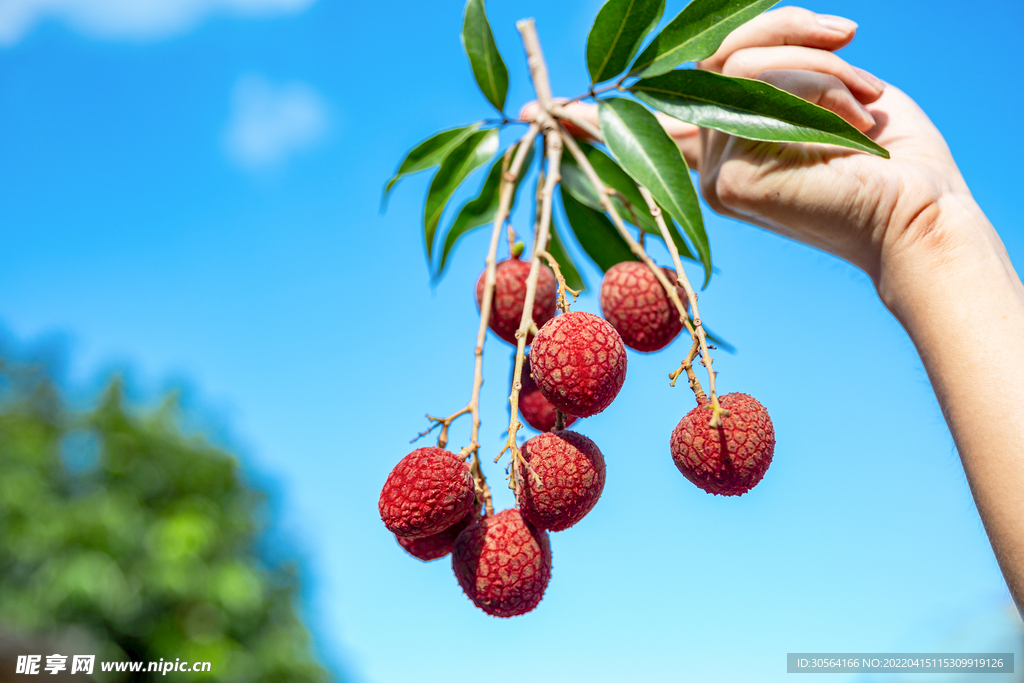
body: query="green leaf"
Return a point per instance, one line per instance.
(431, 152)
(578, 185)
(613, 176)
(651, 157)
(488, 67)
(618, 31)
(555, 247)
(482, 209)
(749, 109)
(696, 33)
(472, 153)
(596, 234)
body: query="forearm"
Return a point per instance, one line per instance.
(958, 297)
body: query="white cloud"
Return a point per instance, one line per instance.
(131, 19)
(270, 122)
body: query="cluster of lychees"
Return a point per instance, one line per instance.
(576, 367)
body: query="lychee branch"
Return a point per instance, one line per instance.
(553, 146)
(696, 329)
(510, 173)
(553, 156)
(634, 246)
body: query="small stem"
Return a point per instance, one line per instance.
(629, 207)
(563, 301)
(594, 93)
(559, 420)
(696, 328)
(691, 376)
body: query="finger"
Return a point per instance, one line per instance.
(684, 134)
(749, 62)
(785, 26)
(579, 111)
(825, 91)
(529, 111)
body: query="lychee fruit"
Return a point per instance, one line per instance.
(437, 545)
(636, 305)
(535, 409)
(428, 491)
(728, 460)
(571, 471)
(503, 563)
(579, 362)
(510, 294)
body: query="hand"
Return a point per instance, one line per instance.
(857, 206)
(867, 210)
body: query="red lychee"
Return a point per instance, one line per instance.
(579, 362)
(503, 563)
(428, 491)
(571, 472)
(731, 459)
(636, 305)
(510, 294)
(535, 409)
(436, 545)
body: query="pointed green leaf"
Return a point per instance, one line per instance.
(488, 67)
(696, 33)
(651, 157)
(456, 167)
(555, 247)
(749, 109)
(431, 152)
(596, 234)
(613, 176)
(575, 181)
(618, 31)
(482, 209)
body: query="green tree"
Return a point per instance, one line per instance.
(142, 540)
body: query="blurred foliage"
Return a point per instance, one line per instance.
(115, 524)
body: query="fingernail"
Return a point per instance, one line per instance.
(872, 80)
(837, 23)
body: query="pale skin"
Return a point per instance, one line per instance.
(909, 222)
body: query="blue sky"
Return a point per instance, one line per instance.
(189, 192)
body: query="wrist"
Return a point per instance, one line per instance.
(938, 255)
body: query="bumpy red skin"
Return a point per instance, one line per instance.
(729, 460)
(636, 305)
(510, 294)
(428, 491)
(571, 471)
(535, 409)
(503, 563)
(437, 545)
(579, 362)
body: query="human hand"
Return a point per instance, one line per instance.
(859, 207)
(870, 211)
